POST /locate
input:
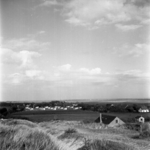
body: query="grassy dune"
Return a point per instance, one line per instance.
(66, 135)
(25, 135)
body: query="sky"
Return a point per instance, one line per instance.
(74, 49)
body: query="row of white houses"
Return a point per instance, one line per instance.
(53, 108)
(143, 110)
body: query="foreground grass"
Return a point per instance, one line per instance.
(25, 135)
(66, 135)
(107, 145)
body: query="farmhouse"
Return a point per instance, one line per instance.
(140, 119)
(143, 109)
(110, 121)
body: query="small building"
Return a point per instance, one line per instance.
(110, 121)
(143, 109)
(140, 119)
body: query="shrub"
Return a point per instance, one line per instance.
(70, 131)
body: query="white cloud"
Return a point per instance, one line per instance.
(27, 58)
(65, 67)
(86, 12)
(132, 75)
(127, 27)
(28, 43)
(16, 78)
(41, 32)
(24, 77)
(94, 13)
(35, 74)
(133, 50)
(23, 59)
(139, 49)
(95, 71)
(49, 3)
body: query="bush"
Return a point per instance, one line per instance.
(70, 131)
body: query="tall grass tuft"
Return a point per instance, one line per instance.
(69, 133)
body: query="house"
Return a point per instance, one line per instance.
(110, 121)
(140, 119)
(143, 109)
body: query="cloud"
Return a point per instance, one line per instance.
(95, 71)
(15, 78)
(94, 13)
(23, 59)
(139, 49)
(135, 50)
(132, 75)
(25, 77)
(68, 76)
(35, 74)
(127, 27)
(27, 58)
(98, 12)
(87, 12)
(29, 44)
(49, 3)
(65, 67)
(41, 32)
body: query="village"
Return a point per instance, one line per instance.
(74, 107)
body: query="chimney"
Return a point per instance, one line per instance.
(100, 117)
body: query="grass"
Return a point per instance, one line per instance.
(48, 115)
(145, 130)
(67, 135)
(25, 135)
(70, 115)
(70, 133)
(106, 145)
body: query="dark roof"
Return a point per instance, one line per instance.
(143, 107)
(106, 119)
(137, 117)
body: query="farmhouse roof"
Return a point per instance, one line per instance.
(143, 107)
(106, 119)
(137, 117)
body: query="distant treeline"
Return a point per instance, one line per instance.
(114, 107)
(7, 108)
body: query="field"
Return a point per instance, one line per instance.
(40, 116)
(67, 135)
(77, 115)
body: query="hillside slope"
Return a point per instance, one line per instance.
(66, 135)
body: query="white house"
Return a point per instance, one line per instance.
(110, 121)
(143, 110)
(140, 119)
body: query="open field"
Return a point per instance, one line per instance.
(67, 135)
(47, 115)
(40, 116)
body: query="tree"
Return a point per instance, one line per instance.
(3, 111)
